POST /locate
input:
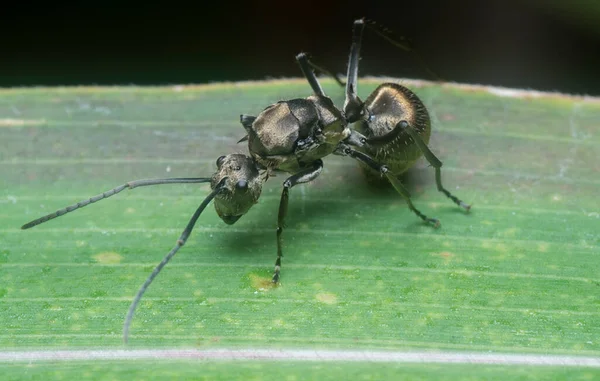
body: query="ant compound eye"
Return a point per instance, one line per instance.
(241, 185)
(220, 161)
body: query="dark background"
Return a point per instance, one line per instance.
(539, 44)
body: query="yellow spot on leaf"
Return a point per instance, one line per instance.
(108, 257)
(487, 244)
(445, 255)
(261, 283)
(326, 297)
(130, 210)
(510, 232)
(543, 247)
(303, 227)
(501, 247)
(227, 318)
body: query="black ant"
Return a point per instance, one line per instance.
(293, 136)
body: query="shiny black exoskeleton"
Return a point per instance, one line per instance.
(291, 135)
(387, 106)
(241, 189)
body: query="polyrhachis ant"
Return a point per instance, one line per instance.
(392, 129)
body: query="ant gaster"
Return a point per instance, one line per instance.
(394, 120)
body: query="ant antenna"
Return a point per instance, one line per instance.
(180, 242)
(112, 192)
(399, 42)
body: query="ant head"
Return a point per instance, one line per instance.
(242, 187)
(354, 110)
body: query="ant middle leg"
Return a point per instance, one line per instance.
(353, 106)
(304, 176)
(352, 73)
(345, 150)
(307, 70)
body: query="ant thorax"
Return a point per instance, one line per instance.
(289, 135)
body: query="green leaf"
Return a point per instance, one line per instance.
(517, 274)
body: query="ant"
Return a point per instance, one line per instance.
(293, 136)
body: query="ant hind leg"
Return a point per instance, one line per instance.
(434, 161)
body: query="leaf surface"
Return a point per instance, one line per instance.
(517, 274)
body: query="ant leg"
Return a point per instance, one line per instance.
(433, 160)
(383, 169)
(353, 106)
(310, 76)
(378, 141)
(352, 76)
(304, 176)
(246, 121)
(180, 242)
(112, 192)
(321, 69)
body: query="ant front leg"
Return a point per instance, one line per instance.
(353, 106)
(304, 176)
(431, 158)
(352, 103)
(306, 67)
(322, 70)
(345, 150)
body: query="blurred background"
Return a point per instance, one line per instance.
(537, 44)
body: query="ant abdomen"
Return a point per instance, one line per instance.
(387, 106)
